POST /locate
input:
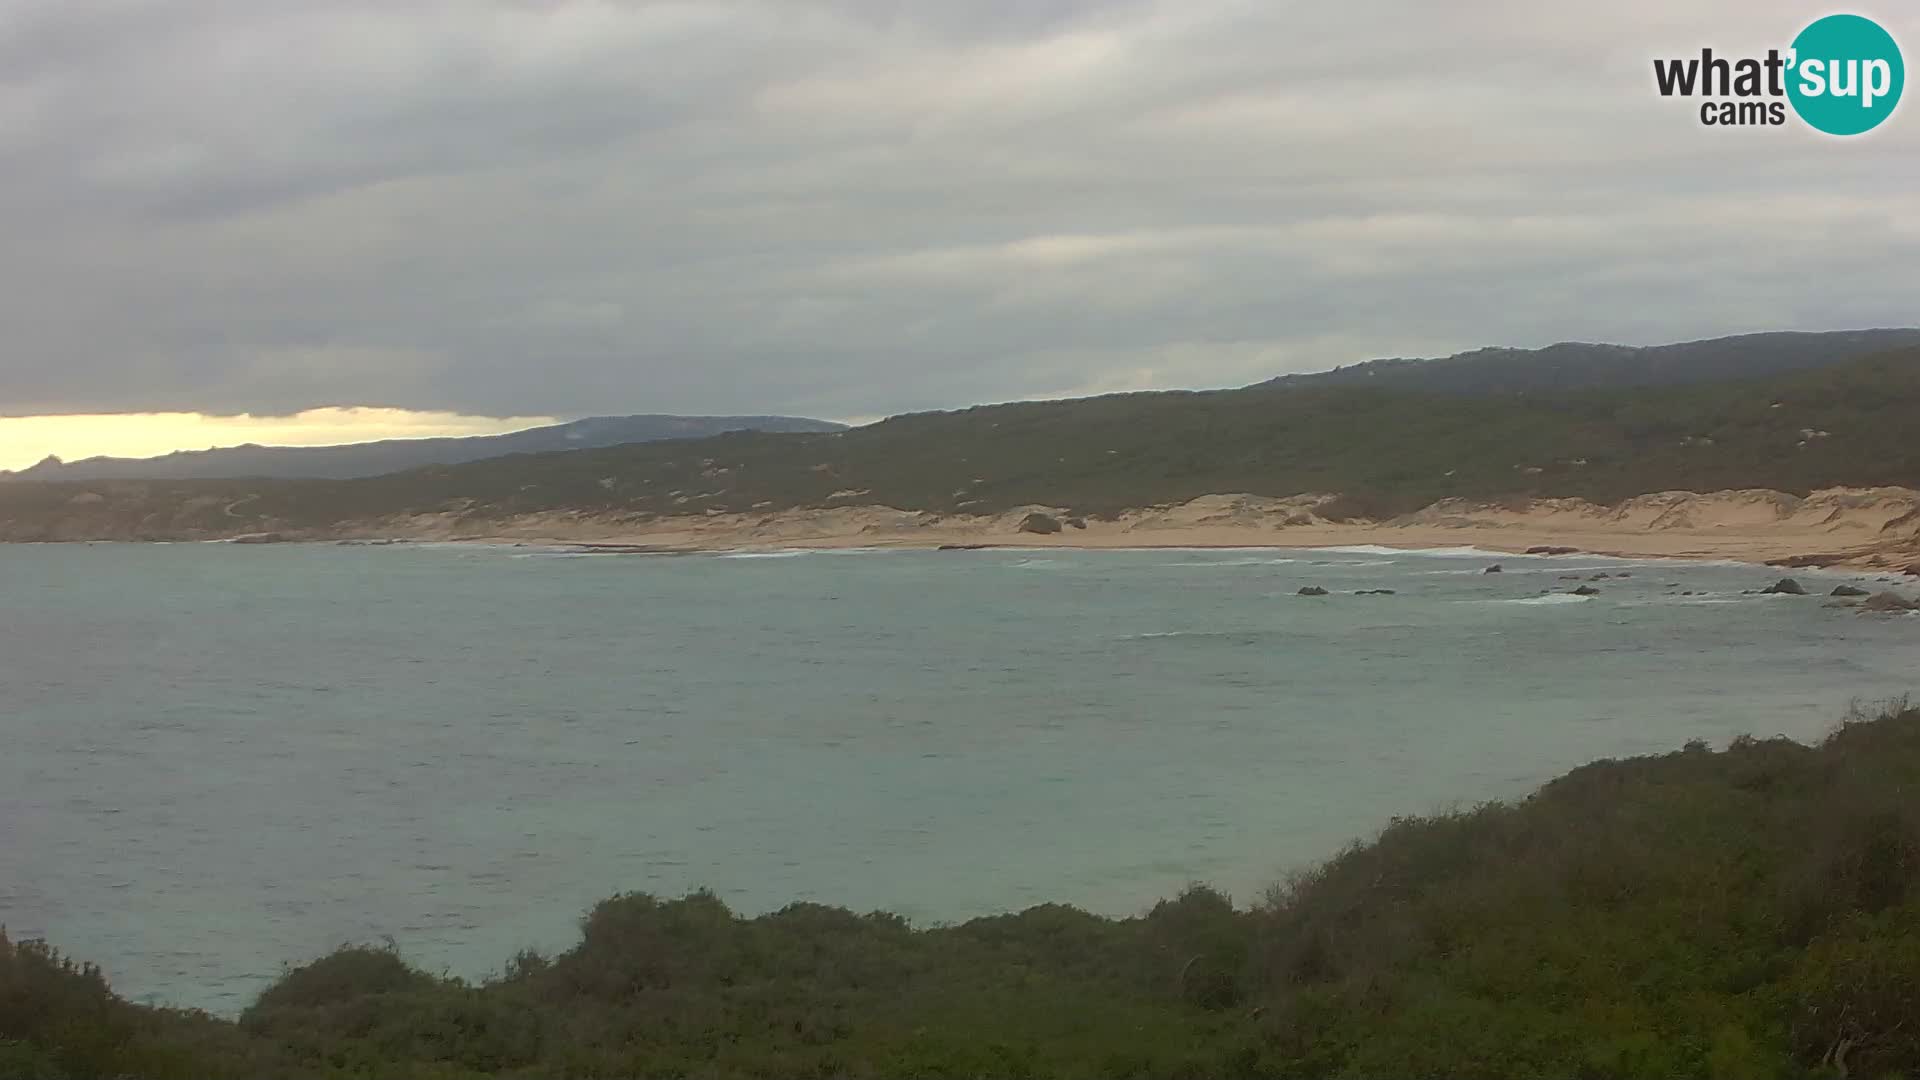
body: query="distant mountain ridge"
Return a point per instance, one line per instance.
(1573, 365)
(351, 460)
(1384, 450)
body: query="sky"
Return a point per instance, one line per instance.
(217, 213)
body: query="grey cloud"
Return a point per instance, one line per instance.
(863, 206)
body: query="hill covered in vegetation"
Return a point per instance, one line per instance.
(1574, 365)
(1752, 912)
(1385, 451)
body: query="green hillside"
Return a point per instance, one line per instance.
(1388, 451)
(1753, 912)
(1575, 365)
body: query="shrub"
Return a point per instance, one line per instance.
(346, 974)
(1747, 912)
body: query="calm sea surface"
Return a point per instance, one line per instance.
(217, 759)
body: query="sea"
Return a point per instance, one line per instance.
(217, 760)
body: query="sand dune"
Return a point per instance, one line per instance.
(1877, 528)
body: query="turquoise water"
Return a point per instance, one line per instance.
(217, 759)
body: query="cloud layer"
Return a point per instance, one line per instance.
(72, 437)
(855, 207)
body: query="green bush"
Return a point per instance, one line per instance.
(348, 974)
(1752, 912)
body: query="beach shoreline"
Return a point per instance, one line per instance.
(1876, 529)
(1863, 529)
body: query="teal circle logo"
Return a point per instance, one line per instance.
(1845, 75)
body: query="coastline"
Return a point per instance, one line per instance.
(1874, 529)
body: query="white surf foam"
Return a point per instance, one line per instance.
(1436, 553)
(1227, 563)
(1536, 601)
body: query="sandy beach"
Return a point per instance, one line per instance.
(1865, 528)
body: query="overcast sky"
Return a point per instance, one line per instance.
(847, 208)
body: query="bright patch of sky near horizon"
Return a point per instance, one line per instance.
(841, 208)
(25, 440)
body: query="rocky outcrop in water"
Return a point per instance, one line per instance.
(1889, 601)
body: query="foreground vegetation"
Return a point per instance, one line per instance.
(1753, 912)
(1386, 450)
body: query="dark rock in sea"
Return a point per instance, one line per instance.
(1496, 568)
(1786, 586)
(1076, 523)
(1550, 549)
(1889, 601)
(1586, 590)
(1040, 524)
(1374, 592)
(1850, 590)
(1624, 573)
(1311, 590)
(1599, 577)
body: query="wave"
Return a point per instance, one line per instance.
(1523, 568)
(1435, 553)
(1536, 601)
(1355, 562)
(794, 553)
(1226, 562)
(1245, 637)
(473, 546)
(573, 553)
(1202, 549)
